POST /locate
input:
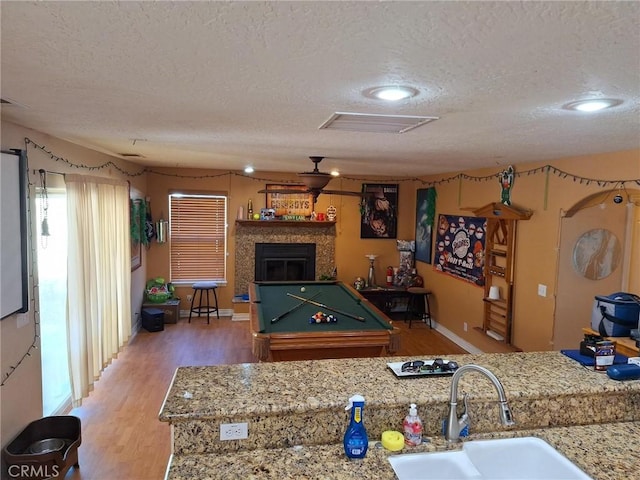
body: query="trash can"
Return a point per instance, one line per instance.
(46, 448)
(153, 319)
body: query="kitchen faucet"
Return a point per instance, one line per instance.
(456, 424)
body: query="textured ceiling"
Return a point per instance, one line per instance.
(227, 84)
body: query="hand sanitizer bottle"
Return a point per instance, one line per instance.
(355, 438)
(412, 426)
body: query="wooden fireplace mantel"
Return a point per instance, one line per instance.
(285, 223)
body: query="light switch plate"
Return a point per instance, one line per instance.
(542, 290)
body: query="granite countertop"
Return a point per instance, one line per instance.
(605, 452)
(284, 387)
(296, 414)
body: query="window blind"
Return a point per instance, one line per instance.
(198, 237)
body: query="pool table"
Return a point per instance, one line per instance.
(281, 328)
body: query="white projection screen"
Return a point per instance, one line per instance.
(14, 295)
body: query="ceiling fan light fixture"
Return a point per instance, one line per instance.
(592, 105)
(391, 93)
(315, 180)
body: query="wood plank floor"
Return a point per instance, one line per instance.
(122, 438)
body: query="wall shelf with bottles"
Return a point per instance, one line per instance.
(286, 223)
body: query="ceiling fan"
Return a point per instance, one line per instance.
(315, 181)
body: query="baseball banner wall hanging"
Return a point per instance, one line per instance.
(459, 248)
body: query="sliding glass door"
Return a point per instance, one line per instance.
(52, 287)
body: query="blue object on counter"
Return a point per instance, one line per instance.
(629, 371)
(590, 361)
(355, 440)
(463, 433)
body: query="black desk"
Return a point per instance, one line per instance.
(388, 299)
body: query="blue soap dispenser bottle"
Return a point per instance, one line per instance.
(355, 438)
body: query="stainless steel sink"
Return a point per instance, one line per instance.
(527, 458)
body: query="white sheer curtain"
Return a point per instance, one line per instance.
(99, 277)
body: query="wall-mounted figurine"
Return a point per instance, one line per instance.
(332, 213)
(506, 182)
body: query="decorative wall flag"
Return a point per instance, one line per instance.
(425, 217)
(459, 248)
(149, 228)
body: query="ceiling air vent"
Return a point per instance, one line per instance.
(370, 122)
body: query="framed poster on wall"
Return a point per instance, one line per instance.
(379, 211)
(289, 203)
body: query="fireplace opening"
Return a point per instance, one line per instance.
(285, 262)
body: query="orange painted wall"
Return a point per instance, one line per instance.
(456, 302)
(350, 249)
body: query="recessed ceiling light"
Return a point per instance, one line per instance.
(335, 173)
(248, 169)
(592, 105)
(391, 93)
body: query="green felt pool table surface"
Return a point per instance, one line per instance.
(281, 321)
(336, 296)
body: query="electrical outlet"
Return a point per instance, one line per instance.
(542, 290)
(234, 431)
(189, 297)
(464, 326)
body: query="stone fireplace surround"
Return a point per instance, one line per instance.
(250, 232)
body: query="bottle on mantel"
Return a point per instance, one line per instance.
(250, 209)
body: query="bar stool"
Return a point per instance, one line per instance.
(207, 308)
(414, 297)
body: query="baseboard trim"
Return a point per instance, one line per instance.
(240, 317)
(456, 339)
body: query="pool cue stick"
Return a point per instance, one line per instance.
(346, 314)
(275, 319)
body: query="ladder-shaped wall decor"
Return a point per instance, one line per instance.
(500, 245)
